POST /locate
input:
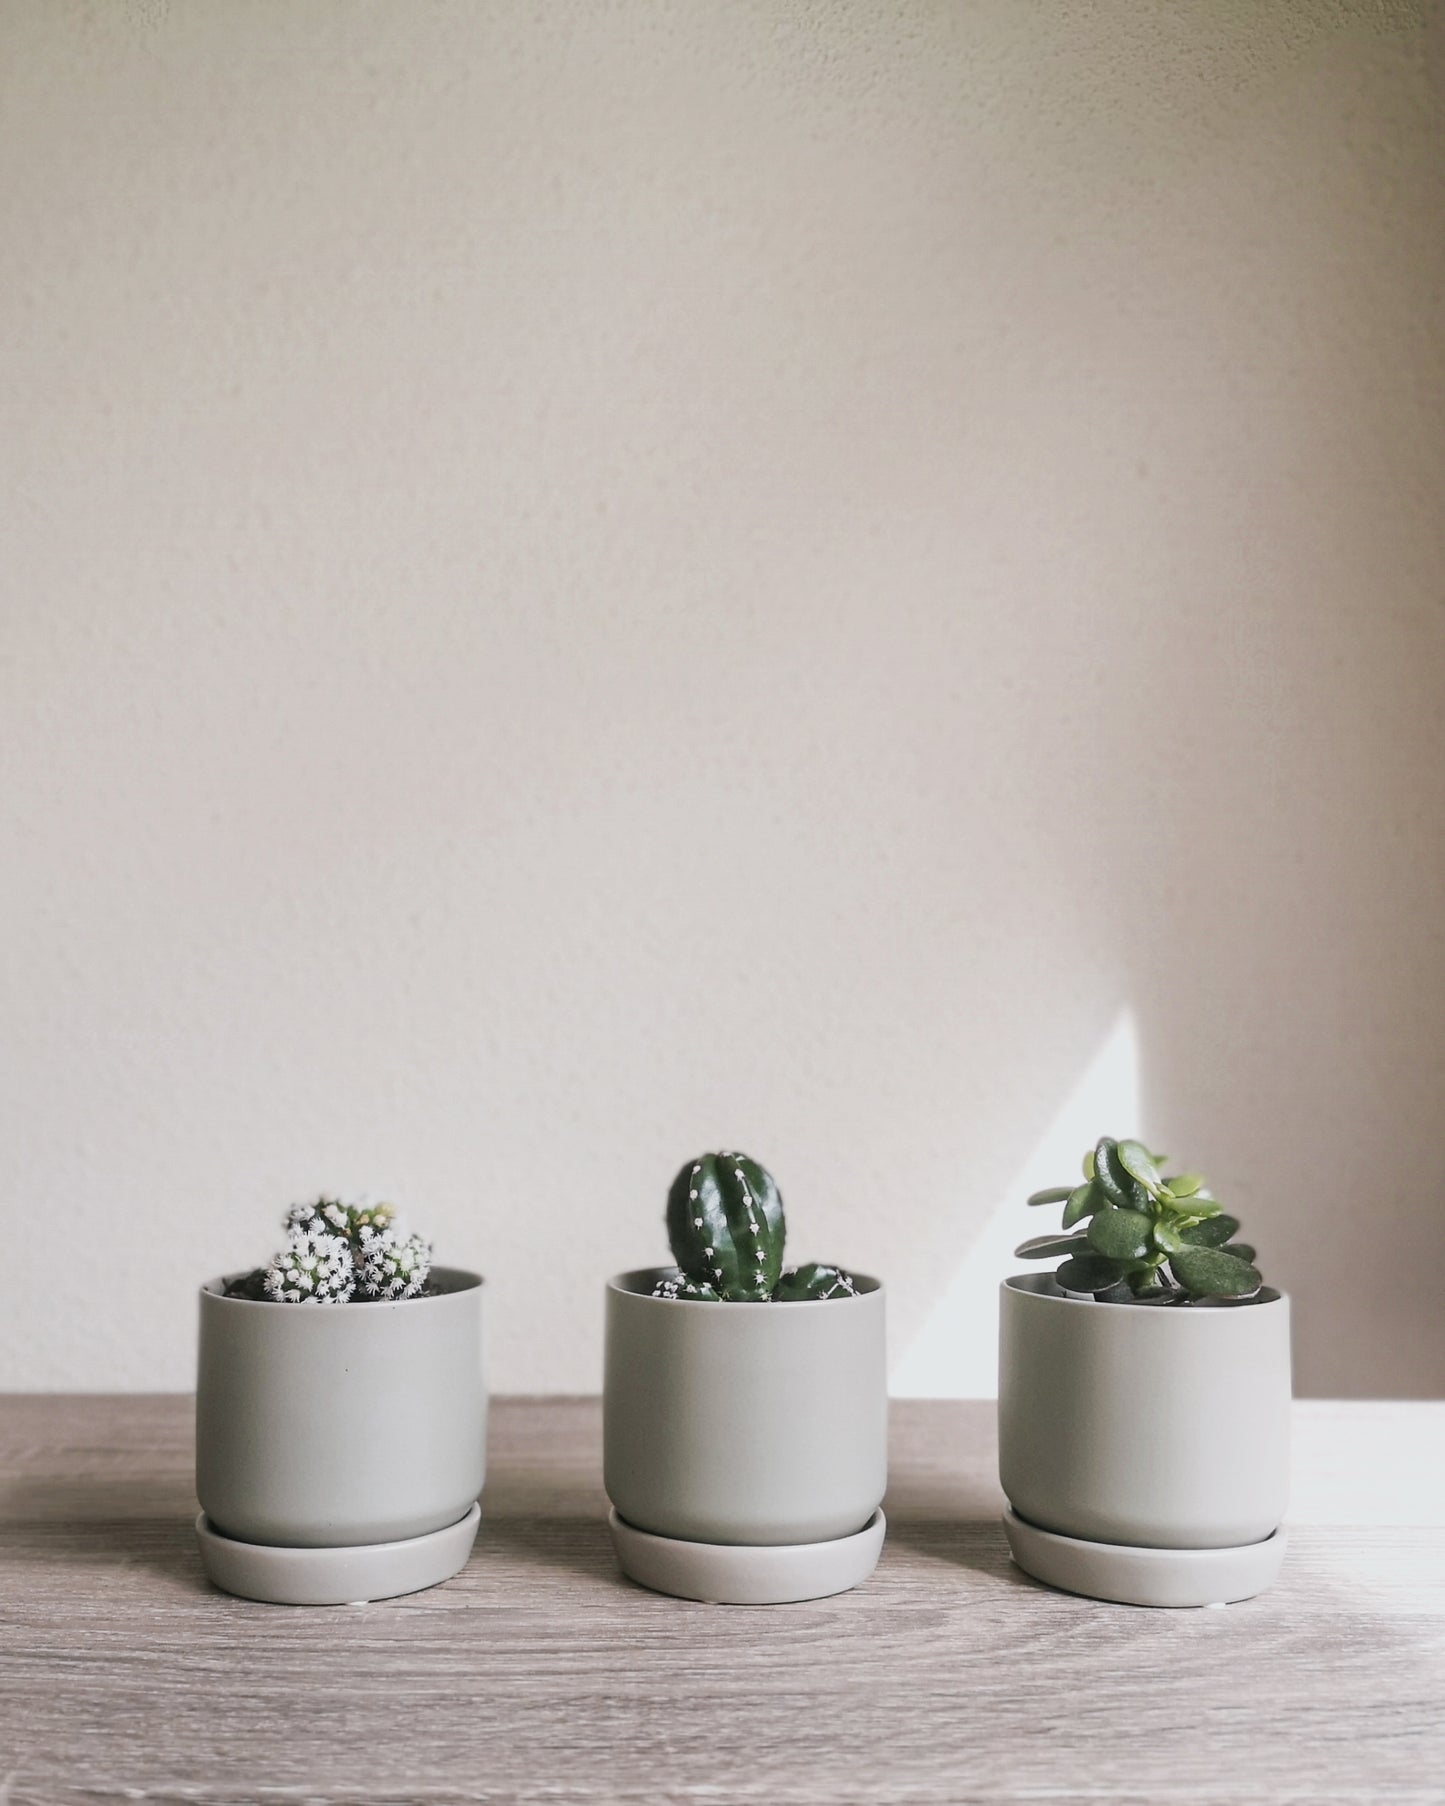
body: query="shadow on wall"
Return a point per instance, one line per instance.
(1288, 973)
(955, 1353)
(1272, 827)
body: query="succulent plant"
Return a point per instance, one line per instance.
(391, 1265)
(339, 1253)
(315, 1267)
(726, 1227)
(1145, 1238)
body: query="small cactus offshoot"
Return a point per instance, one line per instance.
(315, 1267)
(339, 1253)
(814, 1281)
(393, 1266)
(675, 1285)
(726, 1228)
(1131, 1235)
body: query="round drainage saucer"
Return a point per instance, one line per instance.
(1130, 1576)
(351, 1576)
(747, 1574)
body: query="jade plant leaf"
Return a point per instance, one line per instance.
(1184, 1185)
(1213, 1232)
(1053, 1194)
(1043, 1247)
(1089, 1273)
(1214, 1273)
(1120, 1234)
(1240, 1250)
(1168, 1237)
(1116, 1181)
(1109, 1175)
(1084, 1200)
(1138, 1162)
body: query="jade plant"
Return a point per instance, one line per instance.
(339, 1253)
(1131, 1235)
(726, 1227)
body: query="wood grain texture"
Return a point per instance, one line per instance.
(540, 1675)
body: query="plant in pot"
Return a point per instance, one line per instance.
(745, 1409)
(340, 1414)
(1144, 1393)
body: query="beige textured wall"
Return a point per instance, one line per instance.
(581, 582)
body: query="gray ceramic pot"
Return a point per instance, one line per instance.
(744, 1423)
(323, 1426)
(1163, 1427)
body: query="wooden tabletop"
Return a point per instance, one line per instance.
(540, 1675)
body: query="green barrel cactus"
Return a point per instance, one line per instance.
(726, 1227)
(1144, 1237)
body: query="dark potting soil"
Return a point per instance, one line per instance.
(253, 1286)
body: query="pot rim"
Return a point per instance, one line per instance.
(869, 1287)
(469, 1282)
(1035, 1285)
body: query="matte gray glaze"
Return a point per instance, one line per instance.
(1129, 1575)
(744, 1423)
(331, 1425)
(747, 1573)
(333, 1576)
(1159, 1426)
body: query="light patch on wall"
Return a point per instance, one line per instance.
(955, 1354)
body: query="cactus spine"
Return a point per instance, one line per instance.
(725, 1224)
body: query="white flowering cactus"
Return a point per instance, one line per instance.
(392, 1265)
(315, 1267)
(351, 1220)
(339, 1253)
